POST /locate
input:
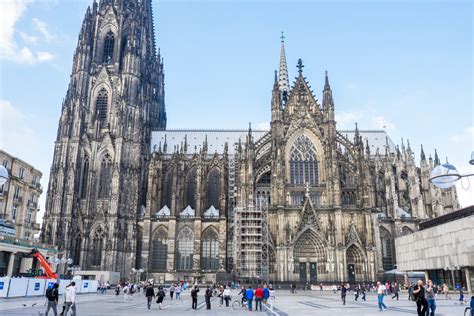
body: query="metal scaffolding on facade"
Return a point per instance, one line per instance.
(251, 242)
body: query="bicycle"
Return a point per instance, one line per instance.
(468, 311)
(239, 304)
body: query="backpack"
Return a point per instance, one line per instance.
(49, 294)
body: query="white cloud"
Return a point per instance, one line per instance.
(467, 135)
(347, 120)
(42, 28)
(12, 11)
(381, 122)
(29, 39)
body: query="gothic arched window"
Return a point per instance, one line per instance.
(185, 249)
(105, 176)
(210, 250)
(101, 105)
(109, 43)
(96, 249)
(213, 188)
(85, 177)
(159, 250)
(303, 162)
(191, 188)
(77, 250)
(387, 253)
(167, 189)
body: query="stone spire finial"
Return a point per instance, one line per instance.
(283, 82)
(300, 65)
(326, 81)
(422, 154)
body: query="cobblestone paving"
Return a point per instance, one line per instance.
(299, 304)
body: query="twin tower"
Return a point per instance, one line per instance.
(114, 100)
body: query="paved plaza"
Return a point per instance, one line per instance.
(300, 304)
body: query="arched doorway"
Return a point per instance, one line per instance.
(309, 256)
(355, 264)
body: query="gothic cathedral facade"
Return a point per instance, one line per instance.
(125, 192)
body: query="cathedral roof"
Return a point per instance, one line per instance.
(375, 138)
(217, 138)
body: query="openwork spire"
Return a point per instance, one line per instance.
(283, 82)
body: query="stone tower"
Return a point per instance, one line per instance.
(115, 98)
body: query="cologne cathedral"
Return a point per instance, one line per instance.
(125, 192)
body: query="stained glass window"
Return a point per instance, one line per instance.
(210, 250)
(101, 107)
(109, 42)
(160, 250)
(303, 162)
(185, 249)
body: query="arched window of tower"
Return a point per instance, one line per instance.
(213, 188)
(210, 250)
(160, 249)
(101, 105)
(109, 42)
(191, 188)
(85, 177)
(105, 177)
(168, 190)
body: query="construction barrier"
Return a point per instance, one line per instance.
(21, 287)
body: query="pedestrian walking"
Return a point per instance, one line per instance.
(249, 297)
(363, 292)
(356, 293)
(172, 289)
(194, 296)
(207, 297)
(266, 294)
(227, 295)
(221, 296)
(258, 298)
(343, 294)
(52, 295)
(381, 289)
(421, 302)
(446, 292)
(70, 298)
(430, 295)
(149, 294)
(334, 288)
(461, 297)
(179, 289)
(320, 287)
(396, 289)
(161, 295)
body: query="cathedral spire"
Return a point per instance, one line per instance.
(326, 81)
(423, 157)
(436, 158)
(283, 82)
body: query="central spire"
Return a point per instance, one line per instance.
(283, 82)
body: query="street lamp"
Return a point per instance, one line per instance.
(137, 273)
(446, 175)
(73, 269)
(3, 175)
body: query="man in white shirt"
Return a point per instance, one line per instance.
(70, 298)
(380, 294)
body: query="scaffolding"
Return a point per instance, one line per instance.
(251, 242)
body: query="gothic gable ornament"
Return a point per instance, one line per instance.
(188, 212)
(211, 212)
(164, 212)
(308, 216)
(352, 237)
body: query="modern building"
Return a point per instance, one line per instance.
(15, 259)
(19, 198)
(312, 203)
(443, 248)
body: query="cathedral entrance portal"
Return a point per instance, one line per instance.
(313, 273)
(303, 277)
(351, 273)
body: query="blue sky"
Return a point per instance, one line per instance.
(405, 65)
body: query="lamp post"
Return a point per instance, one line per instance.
(137, 273)
(73, 269)
(446, 175)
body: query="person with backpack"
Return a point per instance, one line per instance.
(207, 297)
(52, 294)
(421, 302)
(161, 295)
(194, 296)
(343, 294)
(149, 294)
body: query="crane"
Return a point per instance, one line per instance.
(48, 272)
